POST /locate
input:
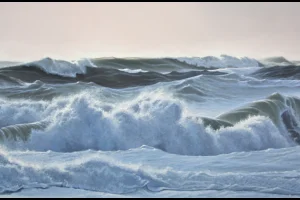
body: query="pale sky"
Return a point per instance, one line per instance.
(30, 31)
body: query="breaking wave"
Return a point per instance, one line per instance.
(81, 122)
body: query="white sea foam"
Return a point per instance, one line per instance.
(80, 122)
(222, 61)
(134, 172)
(132, 70)
(62, 67)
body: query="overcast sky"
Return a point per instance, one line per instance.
(30, 31)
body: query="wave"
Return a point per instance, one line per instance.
(69, 175)
(135, 65)
(159, 65)
(281, 72)
(61, 67)
(96, 171)
(107, 77)
(277, 61)
(283, 111)
(223, 61)
(139, 70)
(81, 122)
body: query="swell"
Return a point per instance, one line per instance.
(102, 76)
(146, 64)
(278, 72)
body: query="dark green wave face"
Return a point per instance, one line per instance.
(20, 131)
(105, 75)
(147, 64)
(279, 72)
(283, 111)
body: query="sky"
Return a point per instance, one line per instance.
(73, 30)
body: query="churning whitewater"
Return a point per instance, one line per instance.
(150, 127)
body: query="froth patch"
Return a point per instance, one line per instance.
(84, 124)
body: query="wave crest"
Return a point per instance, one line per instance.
(62, 67)
(221, 62)
(83, 123)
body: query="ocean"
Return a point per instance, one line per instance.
(150, 127)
